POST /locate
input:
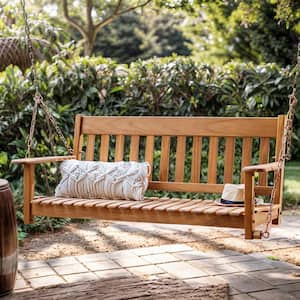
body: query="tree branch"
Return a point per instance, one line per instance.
(89, 7)
(116, 13)
(71, 21)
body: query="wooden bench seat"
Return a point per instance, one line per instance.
(158, 210)
(187, 155)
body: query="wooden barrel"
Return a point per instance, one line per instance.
(8, 240)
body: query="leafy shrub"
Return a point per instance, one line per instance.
(96, 86)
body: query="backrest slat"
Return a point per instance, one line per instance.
(90, 147)
(264, 152)
(134, 148)
(196, 159)
(180, 158)
(119, 152)
(246, 154)
(180, 146)
(149, 150)
(164, 158)
(229, 159)
(104, 147)
(213, 159)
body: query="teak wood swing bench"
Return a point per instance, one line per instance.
(152, 136)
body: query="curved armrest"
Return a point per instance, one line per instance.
(262, 168)
(40, 160)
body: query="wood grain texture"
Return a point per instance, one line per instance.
(104, 147)
(196, 159)
(176, 126)
(180, 158)
(119, 151)
(212, 159)
(90, 147)
(134, 148)
(246, 155)
(29, 184)
(229, 159)
(264, 152)
(164, 158)
(149, 152)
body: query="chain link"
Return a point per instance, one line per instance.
(285, 151)
(38, 98)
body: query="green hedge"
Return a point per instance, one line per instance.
(96, 86)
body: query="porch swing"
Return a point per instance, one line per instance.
(157, 134)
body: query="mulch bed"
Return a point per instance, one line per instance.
(125, 288)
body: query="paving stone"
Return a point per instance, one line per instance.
(21, 284)
(46, 281)
(145, 270)
(277, 276)
(296, 294)
(121, 254)
(290, 287)
(37, 272)
(70, 269)
(227, 259)
(63, 261)
(113, 273)
(176, 248)
(80, 277)
(130, 261)
(182, 270)
(191, 255)
(101, 265)
(31, 264)
(283, 265)
(273, 294)
(160, 258)
(241, 297)
(204, 281)
(92, 257)
(249, 266)
(148, 250)
(244, 283)
(214, 269)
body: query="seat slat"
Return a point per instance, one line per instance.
(199, 210)
(158, 203)
(182, 205)
(104, 203)
(174, 202)
(229, 159)
(212, 210)
(133, 203)
(213, 159)
(237, 211)
(194, 205)
(180, 158)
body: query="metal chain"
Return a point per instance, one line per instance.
(285, 151)
(38, 98)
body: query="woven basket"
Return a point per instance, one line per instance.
(13, 51)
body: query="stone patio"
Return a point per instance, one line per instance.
(250, 276)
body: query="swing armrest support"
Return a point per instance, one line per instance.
(269, 167)
(40, 160)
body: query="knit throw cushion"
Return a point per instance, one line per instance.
(103, 180)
